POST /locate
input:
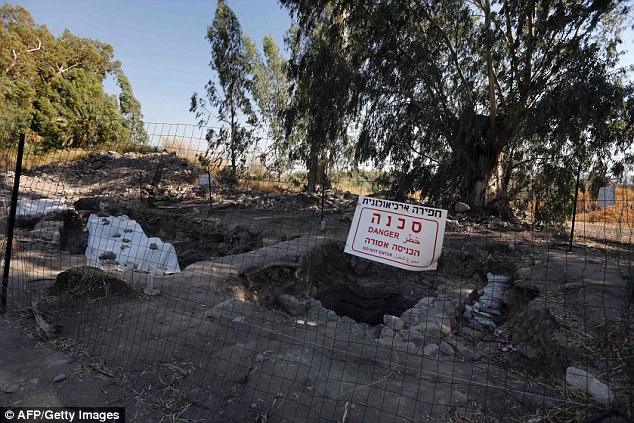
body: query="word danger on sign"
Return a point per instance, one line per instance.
(401, 235)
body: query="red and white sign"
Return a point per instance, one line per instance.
(398, 234)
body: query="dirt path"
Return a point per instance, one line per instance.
(40, 373)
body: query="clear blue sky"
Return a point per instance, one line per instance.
(162, 45)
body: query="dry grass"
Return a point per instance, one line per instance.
(579, 408)
(266, 186)
(355, 187)
(181, 147)
(174, 408)
(9, 157)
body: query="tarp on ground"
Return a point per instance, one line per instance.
(122, 239)
(39, 207)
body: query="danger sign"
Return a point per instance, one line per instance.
(398, 234)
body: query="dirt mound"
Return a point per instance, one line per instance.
(543, 347)
(160, 167)
(88, 282)
(147, 176)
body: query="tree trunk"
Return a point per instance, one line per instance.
(317, 164)
(233, 143)
(485, 185)
(483, 174)
(488, 191)
(476, 183)
(316, 172)
(313, 170)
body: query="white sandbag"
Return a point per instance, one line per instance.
(497, 278)
(40, 207)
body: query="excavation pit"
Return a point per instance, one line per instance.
(361, 290)
(194, 236)
(364, 305)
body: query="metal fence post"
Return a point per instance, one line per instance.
(322, 224)
(11, 225)
(574, 209)
(211, 202)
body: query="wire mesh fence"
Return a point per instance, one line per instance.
(204, 301)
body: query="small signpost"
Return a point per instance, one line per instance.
(401, 235)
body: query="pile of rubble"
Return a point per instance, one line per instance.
(120, 173)
(166, 177)
(432, 326)
(169, 192)
(334, 201)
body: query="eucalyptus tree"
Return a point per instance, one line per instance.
(53, 86)
(473, 99)
(270, 86)
(323, 93)
(130, 108)
(228, 95)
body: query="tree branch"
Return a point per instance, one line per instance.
(512, 44)
(499, 87)
(62, 69)
(38, 46)
(453, 53)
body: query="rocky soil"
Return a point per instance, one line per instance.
(275, 323)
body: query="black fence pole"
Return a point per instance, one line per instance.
(574, 209)
(11, 225)
(322, 224)
(211, 202)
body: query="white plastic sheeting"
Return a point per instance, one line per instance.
(124, 239)
(490, 302)
(40, 207)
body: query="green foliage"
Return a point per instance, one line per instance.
(553, 192)
(53, 86)
(229, 94)
(130, 109)
(324, 95)
(598, 178)
(270, 89)
(468, 100)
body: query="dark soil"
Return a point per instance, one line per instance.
(89, 282)
(364, 305)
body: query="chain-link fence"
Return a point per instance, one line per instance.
(205, 301)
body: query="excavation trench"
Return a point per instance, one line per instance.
(194, 237)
